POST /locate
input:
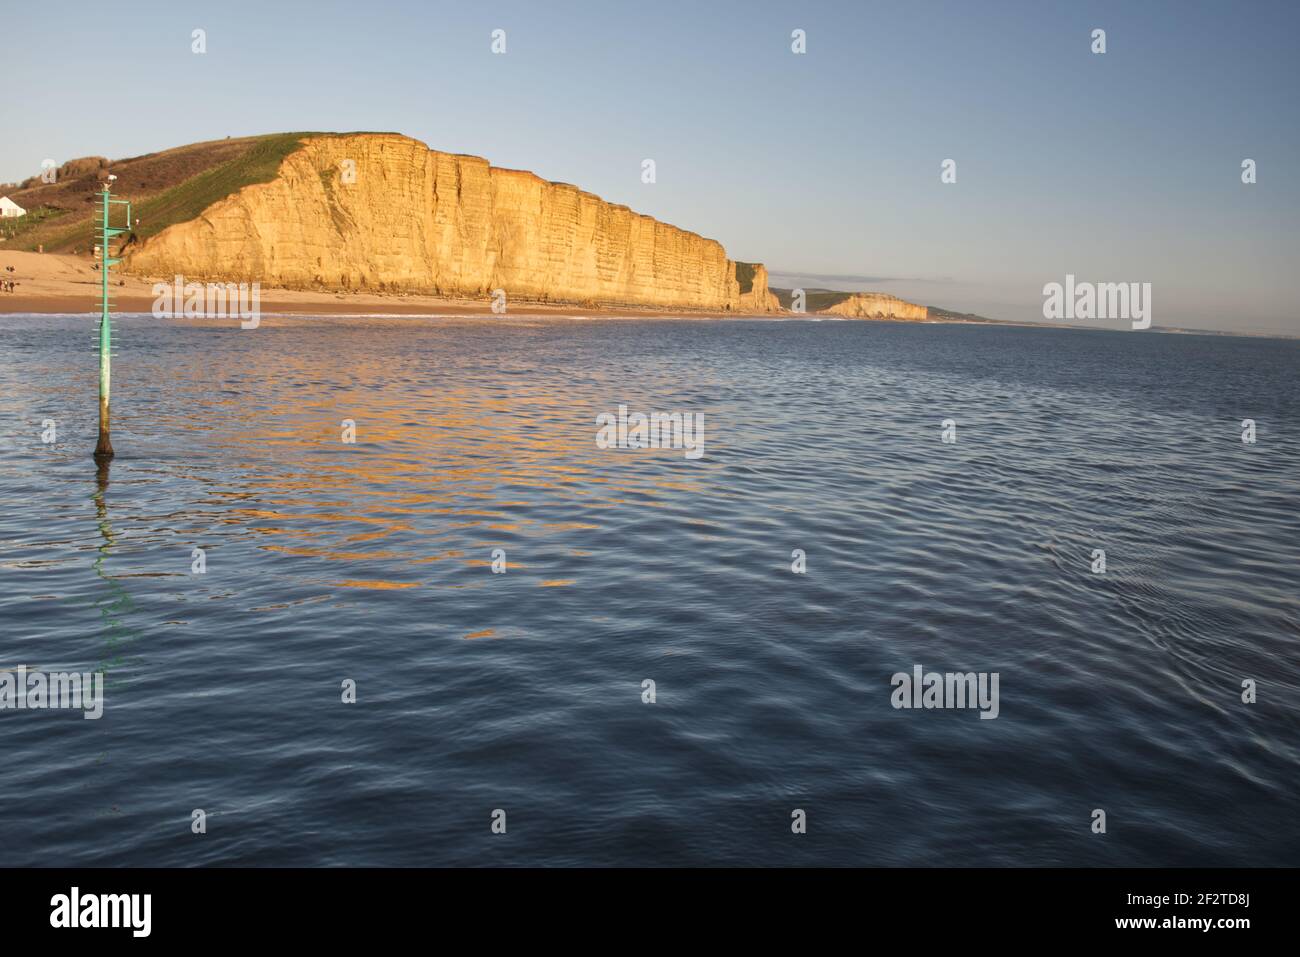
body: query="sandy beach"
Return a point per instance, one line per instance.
(60, 283)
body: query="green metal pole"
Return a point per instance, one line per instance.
(104, 450)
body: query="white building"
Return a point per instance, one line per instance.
(10, 209)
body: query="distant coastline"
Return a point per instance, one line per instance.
(67, 284)
(64, 283)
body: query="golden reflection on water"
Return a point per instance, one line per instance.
(379, 585)
(449, 450)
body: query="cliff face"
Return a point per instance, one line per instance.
(417, 220)
(754, 294)
(874, 305)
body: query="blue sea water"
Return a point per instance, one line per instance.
(371, 561)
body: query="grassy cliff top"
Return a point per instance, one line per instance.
(165, 188)
(187, 199)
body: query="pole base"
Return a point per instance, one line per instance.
(104, 450)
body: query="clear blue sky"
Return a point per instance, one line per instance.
(1116, 167)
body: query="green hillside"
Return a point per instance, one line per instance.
(187, 200)
(165, 188)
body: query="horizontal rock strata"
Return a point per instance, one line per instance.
(384, 213)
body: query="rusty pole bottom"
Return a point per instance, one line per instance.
(104, 448)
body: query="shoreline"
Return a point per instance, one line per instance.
(13, 304)
(431, 306)
(67, 284)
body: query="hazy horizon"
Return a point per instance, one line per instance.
(1115, 167)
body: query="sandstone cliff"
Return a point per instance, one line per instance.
(754, 294)
(417, 220)
(875, 305)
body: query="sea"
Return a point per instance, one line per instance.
(373, 591)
